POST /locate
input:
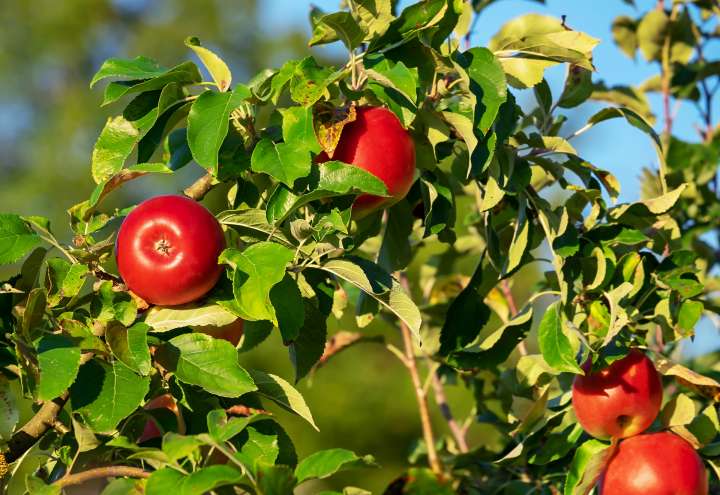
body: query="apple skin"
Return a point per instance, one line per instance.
(164, 401)
(167, 250)
(231, 332)
(654, 464)
(620, 401)
(377, 142)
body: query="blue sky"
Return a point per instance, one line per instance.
(612, 145)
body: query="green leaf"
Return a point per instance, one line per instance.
(9, 411)
(396, 76)
(586, 467)
(285, 162)
(275, 388)
(422, 481)
(276, 480)
(467, 314)
(253, 222)
(179, 446)
(345, 27)
(287, 302)
(310, 81)
(297, 128)
(64, 279)
(17, 239)
(689, 315)
(259, 449)
(578, 87)
(624, 30)
(555, 346)
(325, 463)
(164, 481)
(218, 69)
(84, 437)
(651, 33)
(374, 16)
(221, 428)
(34, 313)
(113, 147)
(487, 83)
(198, 359)
(124, 486)
(327, 180)
(130, 346)
(165, 319)
(59, 361)
(378, 284)
(105, 394)
(308, 347)
(208, 124)
(497, 346)
(257, 269)
(127, 174)
(199, 482)
(679, 411)
(183, 74)
(647, 208)
(137, 68)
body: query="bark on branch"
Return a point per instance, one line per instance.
(200, 187)
(101, 473)
(34, 429)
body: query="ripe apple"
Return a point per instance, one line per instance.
(654, 464)
(620, 401)
(377, 142)
(231, 332)
(152, 430)
(167, 250)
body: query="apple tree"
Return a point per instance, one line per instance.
(407, 186)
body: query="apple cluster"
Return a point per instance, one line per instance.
(168, 247)
(619, 403)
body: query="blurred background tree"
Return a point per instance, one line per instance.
(49, 121)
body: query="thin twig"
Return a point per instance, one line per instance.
(433, 459)
(441, 400)
(101, 473)
(507, 292)
(411, 364)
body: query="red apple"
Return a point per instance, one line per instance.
(377, 142)
(620, 401)
(167, 250)
(231, 332)
(654, 464)
(152, 430)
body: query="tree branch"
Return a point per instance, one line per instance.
(200, 187)
(34, 429)
(101, 473)
(39, 424)
(457, 431)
